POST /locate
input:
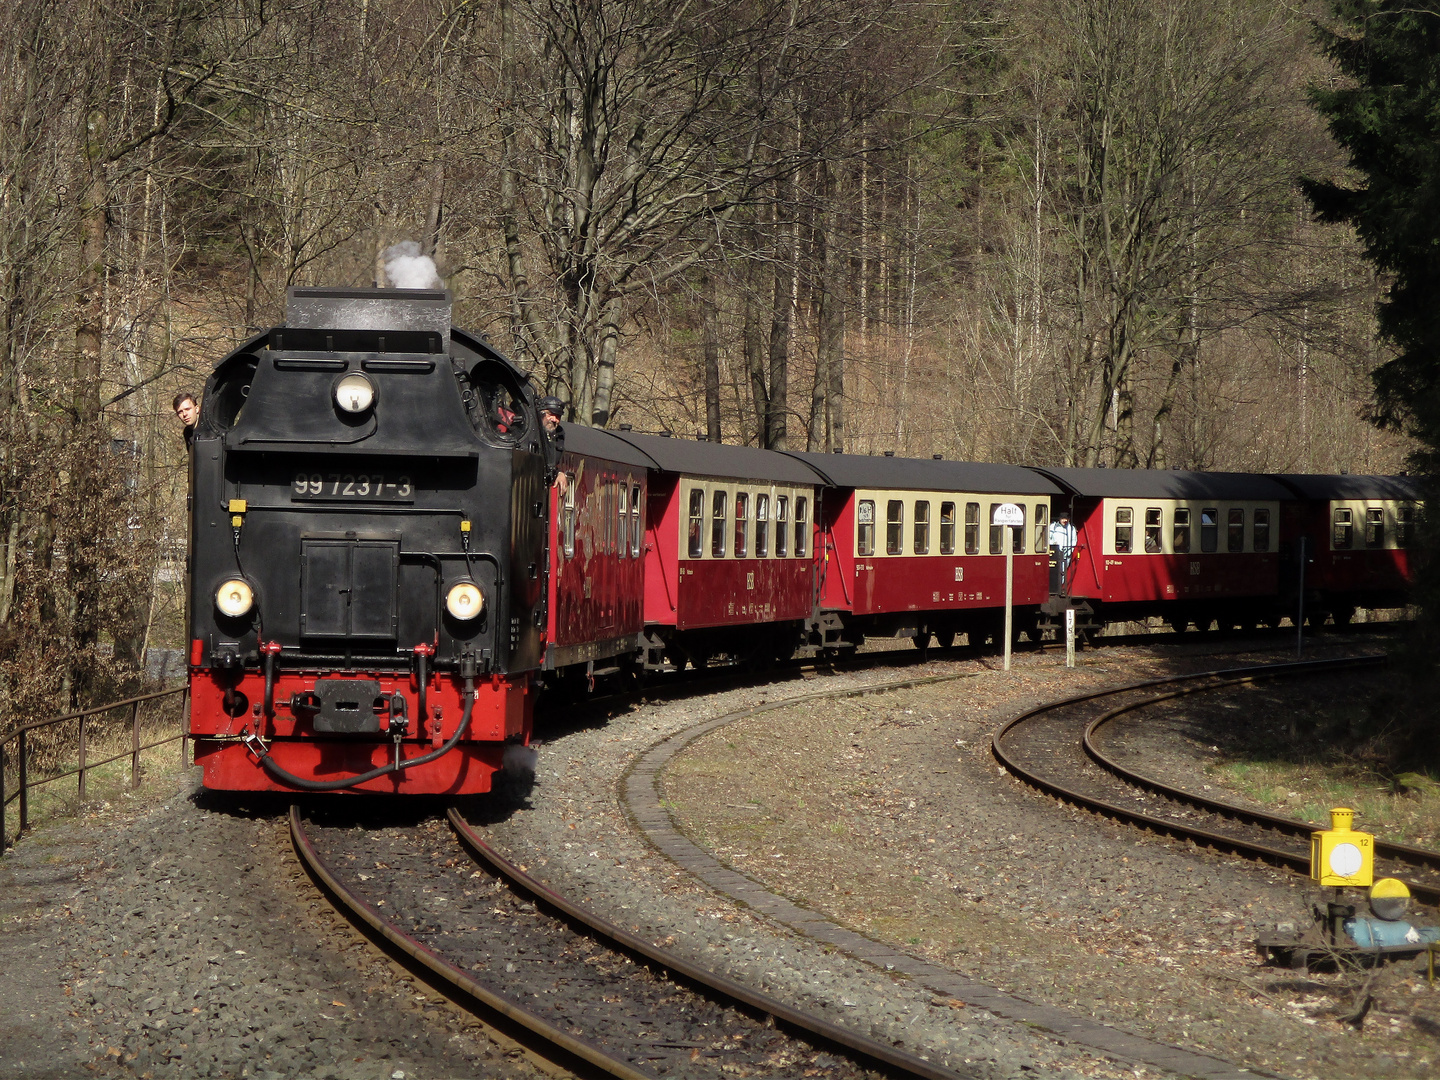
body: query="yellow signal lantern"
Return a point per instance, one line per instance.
(1340, 855)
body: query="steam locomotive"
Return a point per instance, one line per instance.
(368, 526)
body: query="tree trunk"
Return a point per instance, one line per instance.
(710, 335)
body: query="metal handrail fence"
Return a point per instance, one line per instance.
(21, 753)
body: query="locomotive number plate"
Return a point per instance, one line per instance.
(345, 487)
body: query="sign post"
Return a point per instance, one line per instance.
(1010, 517)
(1069, 637)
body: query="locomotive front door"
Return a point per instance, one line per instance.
(348, 587)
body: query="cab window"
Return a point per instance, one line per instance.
(1124, 529)
(947, 528)
(697, 522)
(865, 527)
(1235, 530)
(718, 518)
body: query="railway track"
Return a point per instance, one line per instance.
(1057, 749)
(574, 989)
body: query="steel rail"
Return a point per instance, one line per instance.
(1213, 680)
(1422, 858)
(450, 976)
(882, 1055)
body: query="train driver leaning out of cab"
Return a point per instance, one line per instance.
(551, 410)
(1062, 539)
(188, 412)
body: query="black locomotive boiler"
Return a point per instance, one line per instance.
(368, 530)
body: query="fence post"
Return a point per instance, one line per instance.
(24, 787)
(82, 759)
(135, 745)
(185, 727)
(3, 803)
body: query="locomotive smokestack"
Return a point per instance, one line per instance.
(368, 309)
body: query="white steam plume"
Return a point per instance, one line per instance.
(406, 268)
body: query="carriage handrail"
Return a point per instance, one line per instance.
(18, 733)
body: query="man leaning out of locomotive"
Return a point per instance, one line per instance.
(551, 410)
(188, 411)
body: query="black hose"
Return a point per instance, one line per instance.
(339, 785)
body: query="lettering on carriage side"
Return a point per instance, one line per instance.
(959, 573)
(750, 580)
(1194, 568)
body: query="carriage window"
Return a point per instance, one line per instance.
(1154, 524)
(996, 546)
(782, 522)
(801, 531)
(1017, 538)
(742, 524)
(1181, 533)
(947, 528)
(622, 520)
(717, 526)
(865, 527)
(567, 524)
(762, 526)
(1260, 540)
(1235, 530)
(1042, 527)
(894, 526)
(607, 517)
(1343, 529)
(697, 522)
(1404, 518)
(1124, 529)
(972, 528)
(637, 527)
(1209, 529)
(922, 527)
(1374, 527)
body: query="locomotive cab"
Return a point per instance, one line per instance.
(367, 552)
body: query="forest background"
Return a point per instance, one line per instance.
(1042, 231)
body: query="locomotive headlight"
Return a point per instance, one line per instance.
(464, 601)
(234, 598)
(354, 393)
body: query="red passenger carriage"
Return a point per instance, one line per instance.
(909, 551)
(1190, 546)
(729, 556)
(597, 547)
(1357, 532)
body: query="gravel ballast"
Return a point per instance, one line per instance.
(175, 936)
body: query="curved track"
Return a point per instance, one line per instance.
(575, 989)
(1055, 749)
